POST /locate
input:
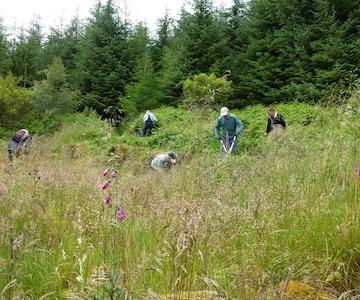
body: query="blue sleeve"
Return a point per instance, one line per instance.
(217, 129)
(239, 126)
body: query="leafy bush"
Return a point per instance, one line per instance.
(202, 90)
(14, 102)
(86, 127)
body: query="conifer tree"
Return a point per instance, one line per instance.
(53, 95)
(104, 60)
(27, 54)
(143, 93)
(202, 36)
(163, 41)
(4, 50)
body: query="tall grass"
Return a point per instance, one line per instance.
(234, 227)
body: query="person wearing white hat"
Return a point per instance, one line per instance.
(231, 127)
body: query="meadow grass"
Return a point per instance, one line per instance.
(234, 226)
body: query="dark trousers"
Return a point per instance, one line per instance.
(10, 154)
(147, 129)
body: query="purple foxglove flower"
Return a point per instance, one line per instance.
(357, 173)
(106, 172)
(121, 214)
(227, 141)
(107, 199)
(114, 174)
(105, 185)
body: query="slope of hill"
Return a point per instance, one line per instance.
(233, 227)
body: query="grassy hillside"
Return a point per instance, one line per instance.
(233, 227)
(188, 131)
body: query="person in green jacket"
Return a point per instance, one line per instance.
(231, 127)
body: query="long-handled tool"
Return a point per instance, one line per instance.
(223, 146)
(232, 145)
(228, 151)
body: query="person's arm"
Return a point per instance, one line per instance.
(28, 140)
(154, 118)
(268, 128)
(239, 126)
(282, 121)
(217, 129)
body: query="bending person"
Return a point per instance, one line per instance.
(164, 161)
(22, 139)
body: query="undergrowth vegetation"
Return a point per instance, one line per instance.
(234, 227)
(193, 131)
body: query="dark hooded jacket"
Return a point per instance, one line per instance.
(276, 120)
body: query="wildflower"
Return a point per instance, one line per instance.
(17, 243)
(105, 185)
(121, 214)
(106, 172)
(357, 173)
(114, 174)
(35, 174)
(107, 199)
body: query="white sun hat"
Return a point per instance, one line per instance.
(224, 111)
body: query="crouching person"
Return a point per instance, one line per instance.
(20, 141)
(164, 161)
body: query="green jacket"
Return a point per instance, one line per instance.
(232, 126)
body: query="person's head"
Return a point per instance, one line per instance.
(147, 111)
(224, 112)
(23, 134)
(271, 111)
(173, 157)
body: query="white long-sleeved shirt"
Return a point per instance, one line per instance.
(151, 115)
(163, 161)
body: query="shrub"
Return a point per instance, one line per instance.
(85, 127)
(202, 90)
(14, 102)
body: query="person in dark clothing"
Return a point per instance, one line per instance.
(149, 120)
(276, 123)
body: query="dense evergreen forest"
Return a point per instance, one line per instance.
(271, 50)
